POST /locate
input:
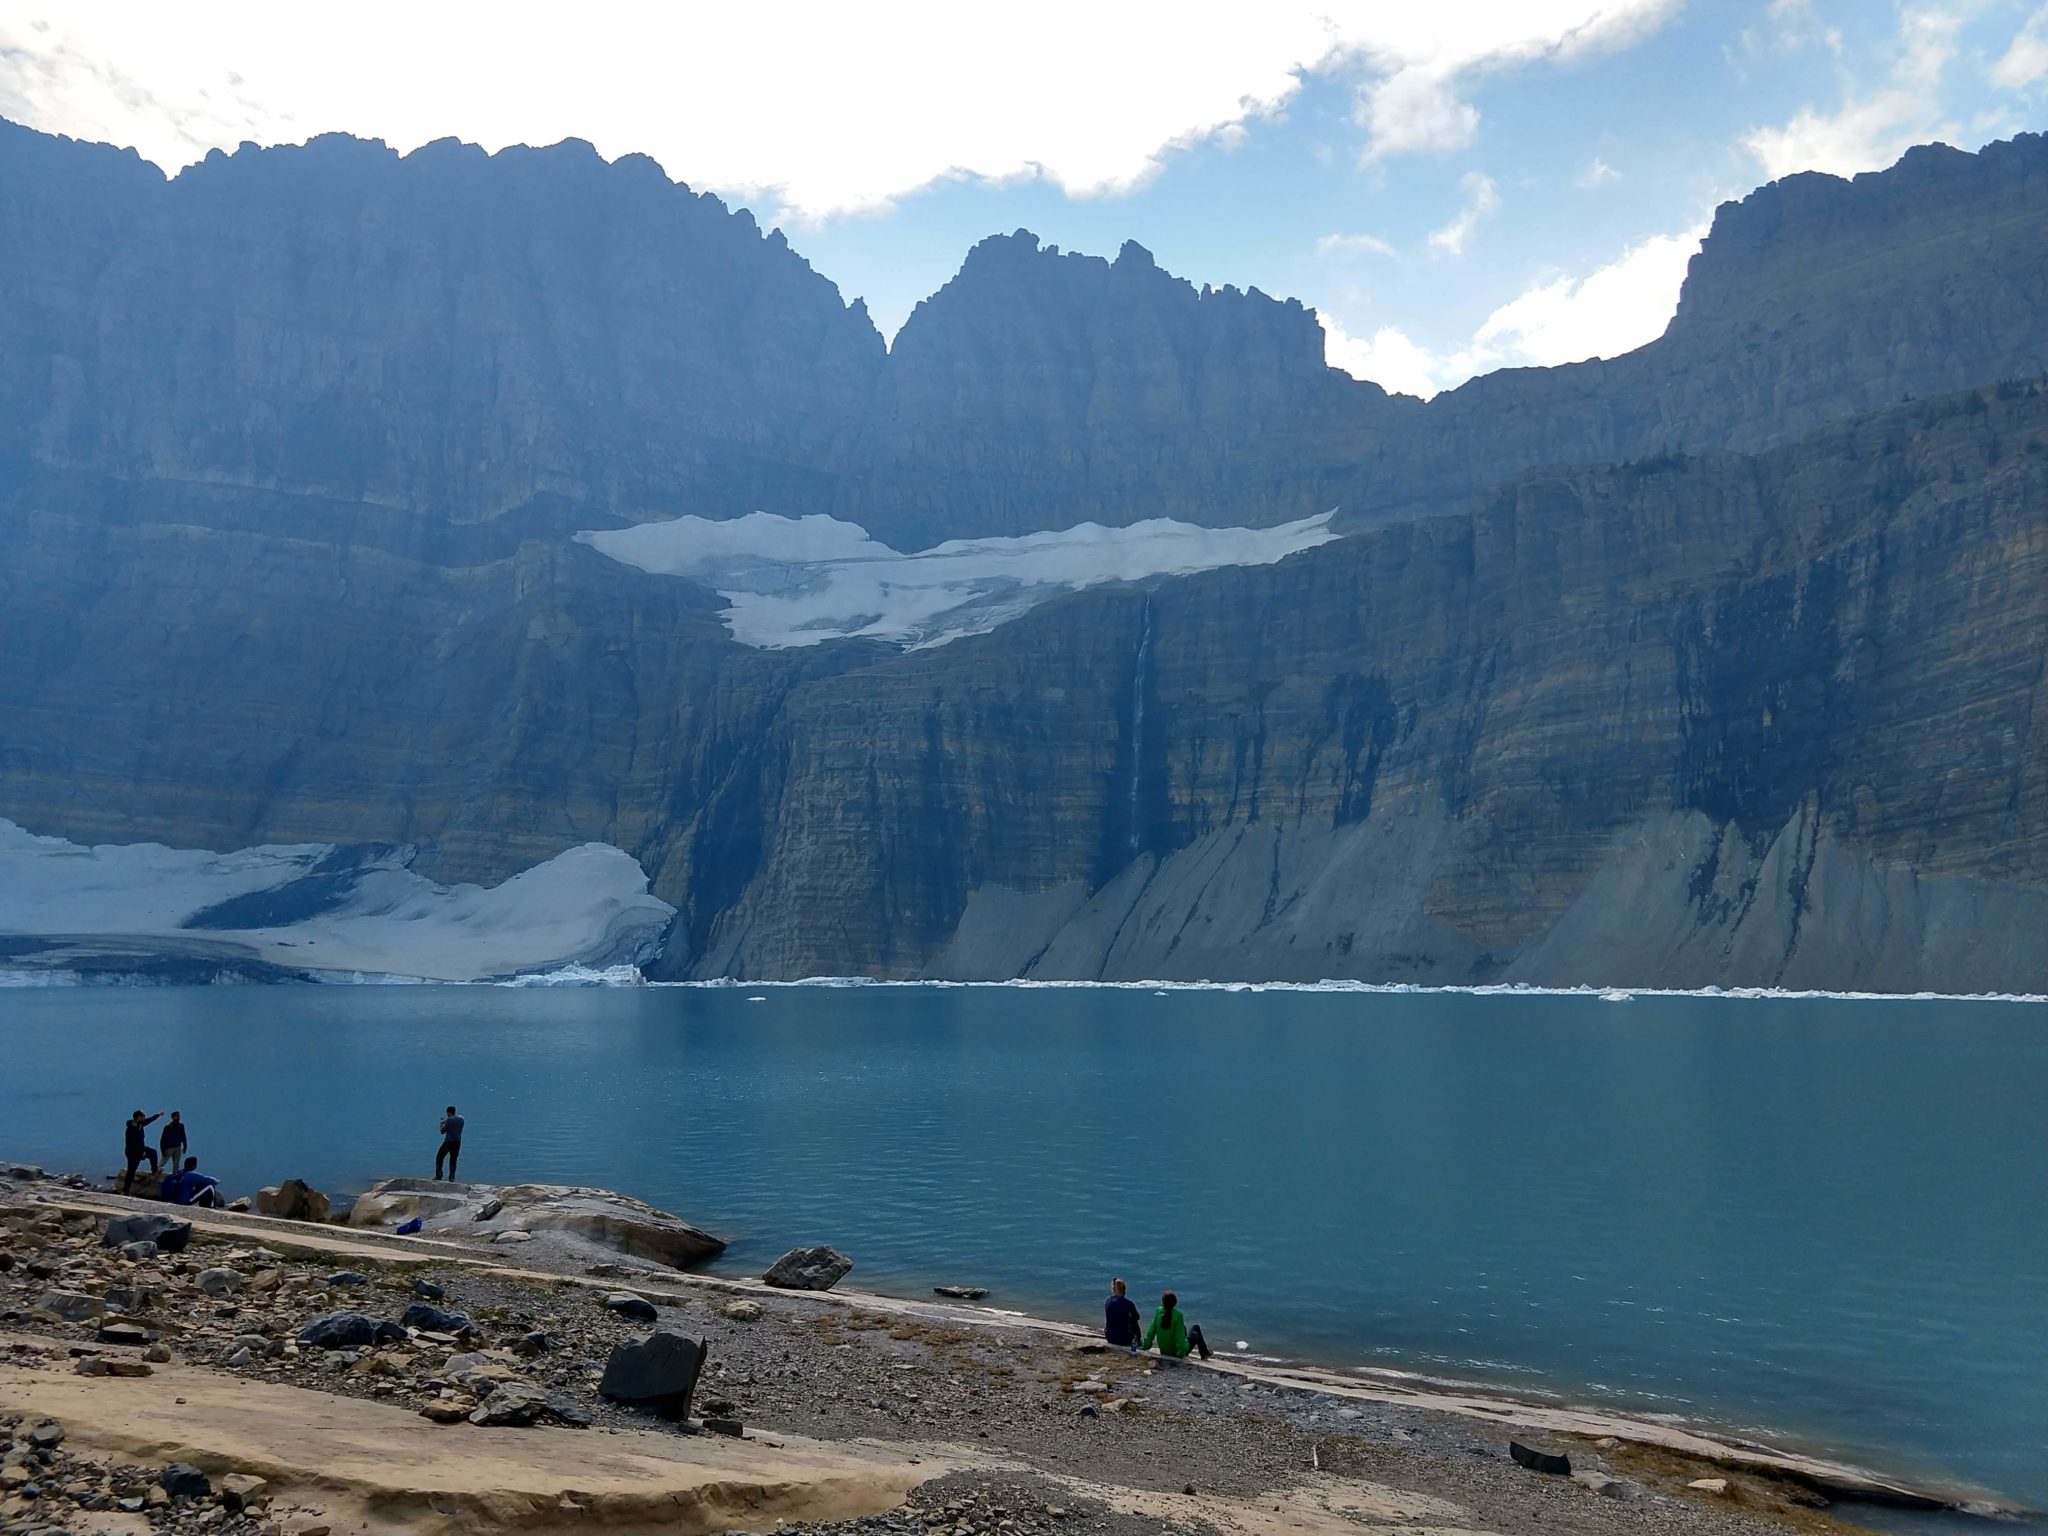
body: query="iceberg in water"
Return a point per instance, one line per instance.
(317, 907)
(791, 581)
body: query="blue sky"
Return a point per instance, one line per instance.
(1485, 185)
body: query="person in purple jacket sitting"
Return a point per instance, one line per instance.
(1120, 1325)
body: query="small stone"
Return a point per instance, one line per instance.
(137, 1253)
(71, 1306)
(489, 1210)
(168, 1233)
(240, 1356)
(244, 1490)
(741, 1311)
(127, 1368)
(1713, 1485)
(347, 1277)
(426, 1290)
(124, 1333)
(513, 1235)
(429, 1318)
(449, 1410)
(626, 1304)
(157, 1354)
(46, 1435)
(348, 1330)
(221, 1282)
(154, 1497)
(512, 1403)
(182, 1480)
(1598, 1482)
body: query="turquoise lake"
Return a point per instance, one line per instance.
(1820, 1221)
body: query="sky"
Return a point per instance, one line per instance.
(1455, 187)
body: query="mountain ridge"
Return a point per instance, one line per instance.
(1713, 662)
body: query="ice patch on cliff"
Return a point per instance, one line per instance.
(318, 907)
(792, 581)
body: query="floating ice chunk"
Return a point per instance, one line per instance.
(794, 581)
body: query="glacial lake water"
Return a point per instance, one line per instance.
(1820, 1221)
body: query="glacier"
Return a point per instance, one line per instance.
(796, 581)
(278, 910)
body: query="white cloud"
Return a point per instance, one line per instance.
(822, 107)
(1597, 173)
(1352, 245)
(1387, 358)
(1872, 130)
(1612, 310)
(1421, 56)
(1481, 199)
(2026, 61)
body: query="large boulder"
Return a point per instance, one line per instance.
(809, 1269)
(658, 1373)
(349, 1330)
(571, 1221)
(168, 1233)
(294, 1200)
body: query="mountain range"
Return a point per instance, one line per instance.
(326, 473)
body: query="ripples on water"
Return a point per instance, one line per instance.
(1800, 1217)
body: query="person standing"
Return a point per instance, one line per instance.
(1120, 1324)
(451, 1143)
(135, 1146)
(1170, 1331)
(174, 1141)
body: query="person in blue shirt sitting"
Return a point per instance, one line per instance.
(188, 1186)
(1120, 1319)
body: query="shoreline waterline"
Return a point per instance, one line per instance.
(633, 976)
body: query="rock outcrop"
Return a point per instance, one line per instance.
(566, 1220)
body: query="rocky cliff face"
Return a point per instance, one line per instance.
(290, 449)
(1726, 720)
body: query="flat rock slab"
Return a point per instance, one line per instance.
(350, 1455)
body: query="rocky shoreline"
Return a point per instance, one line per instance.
(828, 1410)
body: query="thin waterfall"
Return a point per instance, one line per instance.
(1138, 715)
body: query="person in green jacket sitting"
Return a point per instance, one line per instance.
(1171, 1331)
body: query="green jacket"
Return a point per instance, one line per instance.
(1170, 1330)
